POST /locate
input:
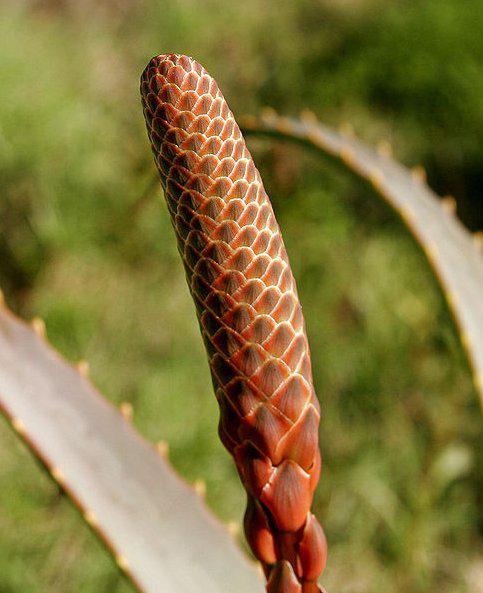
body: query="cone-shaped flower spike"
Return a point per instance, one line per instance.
(249, 312)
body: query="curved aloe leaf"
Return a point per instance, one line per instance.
(157, 527)
(451, 250)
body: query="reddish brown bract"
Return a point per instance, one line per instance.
(250, 316)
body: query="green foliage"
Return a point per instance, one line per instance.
(85, 242)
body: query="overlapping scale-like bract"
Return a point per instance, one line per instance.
(250, 316)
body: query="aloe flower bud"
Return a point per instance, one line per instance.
(249, 312)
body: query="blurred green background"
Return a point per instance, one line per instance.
(86, 243)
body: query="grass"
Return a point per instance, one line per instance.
(86, 243)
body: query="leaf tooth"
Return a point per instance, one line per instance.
(83, 367)
(308, 117)
(126, 410)
(249, 121)
(38, 325)
(199, 487)
(346, 129)
(90, 517)
(478, 240)
(233, 528)
(452, 299)
(122, 562)
(431, 250)
(58, 475)
(448, 204)
(418, 173)
(347, 155)
(162, 448)
(384, 149)
(376, 177)
(466, 340)
(19, 426)
(283, 125)
(268, 113)
(478, 379)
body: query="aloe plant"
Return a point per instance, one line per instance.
(157, 527)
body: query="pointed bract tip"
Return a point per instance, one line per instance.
(283, 580)
(38, 325)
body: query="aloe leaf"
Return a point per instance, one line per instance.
(454, 255)
(158, 529)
